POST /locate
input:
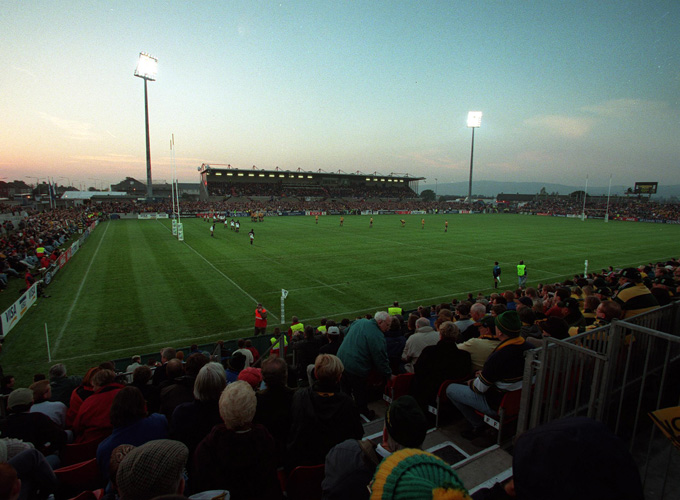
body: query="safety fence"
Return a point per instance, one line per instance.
(617, 374)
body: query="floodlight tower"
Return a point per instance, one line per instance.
(474, 120)
(147, 67)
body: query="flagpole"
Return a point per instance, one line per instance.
(606, 215)
(585, 194)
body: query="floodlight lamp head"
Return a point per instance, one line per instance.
(147, 67)
(474, 119)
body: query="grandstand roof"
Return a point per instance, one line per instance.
(88, 195)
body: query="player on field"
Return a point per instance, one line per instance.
(496, 274)
(422, 222)
(403, 222)
(212, 229)
(370, 224)
(252, 235)
(342, 221)
(231, 224)
(237, 225)
(446, 226)
(316, 219)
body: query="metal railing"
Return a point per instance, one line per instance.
(616, 374)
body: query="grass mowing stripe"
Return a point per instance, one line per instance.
(225, 276)
(55, 349)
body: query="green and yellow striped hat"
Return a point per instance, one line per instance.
(412, 474)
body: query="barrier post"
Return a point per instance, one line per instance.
(47, 341)
(284, 294)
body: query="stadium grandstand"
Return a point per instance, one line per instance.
(223, 181)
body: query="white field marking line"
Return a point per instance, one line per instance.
(75, 299)
(325, 285)
(227, 334)
(222, 274)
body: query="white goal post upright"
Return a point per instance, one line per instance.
(585, 271)
(284, 294)
(177, 228)
(172, 186)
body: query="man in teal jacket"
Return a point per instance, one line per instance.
(364, 349)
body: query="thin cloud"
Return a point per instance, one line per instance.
(626, 108)
(111, 158)
(79, 131)
(562, 126)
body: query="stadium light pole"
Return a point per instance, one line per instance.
(147, 67)
(474, 120)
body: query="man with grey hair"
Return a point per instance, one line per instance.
(136, 362)
(167, 353)
(423, 337)
(364, 349)
(477, 312)
(61, 384)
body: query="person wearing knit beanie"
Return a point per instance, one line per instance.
(509, 323)
(416, 474)
(502, 372)
(351, 465)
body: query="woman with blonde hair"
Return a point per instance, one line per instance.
(321, 416)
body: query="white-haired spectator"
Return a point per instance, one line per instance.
(237, 455)
(363, 350)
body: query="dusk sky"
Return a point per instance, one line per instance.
(566, 88)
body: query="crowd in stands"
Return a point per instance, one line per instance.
(284, 190)
(632, 209)
(35, 242)
(241, 420)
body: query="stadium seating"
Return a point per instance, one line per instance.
(77, 478)
(304, 482)
(79, 452)
(508, 412)
(441, 400)
(398, 387)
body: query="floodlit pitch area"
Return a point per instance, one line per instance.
(133, 288)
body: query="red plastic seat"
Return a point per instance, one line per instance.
(398, 387)
(441, 399)
(79, 452)
(77, 478)
(90, 495)
(508, 411)
(304, 482)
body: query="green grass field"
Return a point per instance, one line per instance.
(133, 288)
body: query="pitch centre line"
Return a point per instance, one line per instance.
(75, 299)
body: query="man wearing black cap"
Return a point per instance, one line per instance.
(502, 372)
(633, 296)
(351, 464)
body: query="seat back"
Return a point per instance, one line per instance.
(79, 452)
(90, 495)
(398, 387)
(304, 482)
(76, 478)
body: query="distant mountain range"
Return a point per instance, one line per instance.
(492, 188)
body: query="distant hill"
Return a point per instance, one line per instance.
(492, 188)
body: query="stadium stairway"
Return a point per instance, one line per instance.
(479, 463)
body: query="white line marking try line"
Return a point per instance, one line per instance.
(75, 299)
(222, 274)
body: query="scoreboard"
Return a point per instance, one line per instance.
(645, 187)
